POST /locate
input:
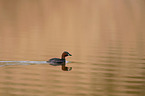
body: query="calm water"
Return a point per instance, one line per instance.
(105, 37)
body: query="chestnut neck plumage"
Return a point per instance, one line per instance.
(63, 56)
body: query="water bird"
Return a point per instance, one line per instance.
(60, 61)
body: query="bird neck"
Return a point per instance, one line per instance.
(62, 57)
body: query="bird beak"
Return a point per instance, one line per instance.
(69, 55)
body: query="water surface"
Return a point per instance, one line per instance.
(105, 38)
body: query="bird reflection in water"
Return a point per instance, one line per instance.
(64, 68)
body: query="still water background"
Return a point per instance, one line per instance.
(105, 37)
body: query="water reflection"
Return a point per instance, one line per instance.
(64, 68)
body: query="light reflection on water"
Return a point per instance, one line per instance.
(106, 40)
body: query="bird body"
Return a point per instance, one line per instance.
(59, 61)
(56, 61)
